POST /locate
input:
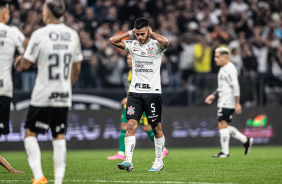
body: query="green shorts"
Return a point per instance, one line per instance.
(143, 120)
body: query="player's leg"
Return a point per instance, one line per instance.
(224, 117)
(147, 128)
(5, 164)
(4, 128)
(120, 154)
(58, 128)
(133, 114)
(247, 142)
(37, 122)
(153, 109)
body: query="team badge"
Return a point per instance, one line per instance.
(130, 110)
(150, 51)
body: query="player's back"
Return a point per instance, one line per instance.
(10, 39)
(54, 48)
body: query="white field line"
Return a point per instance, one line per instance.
(106, 181)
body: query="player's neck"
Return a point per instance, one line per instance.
(53, 21)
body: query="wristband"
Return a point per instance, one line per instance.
(130, 33)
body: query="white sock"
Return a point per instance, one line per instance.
(159, 148)
(224, 140)
(59, 156)
(235, 133)
(33, 156)
(129, 143)
(121, 153)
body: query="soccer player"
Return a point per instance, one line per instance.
(143, 122)
(10, 39)
(56, 51)
(145, 89)
(228, 100)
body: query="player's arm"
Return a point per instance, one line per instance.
(117, 39)
(22, 64)
(75, 72)
(211, 97)
(236, 91)
(161, 39)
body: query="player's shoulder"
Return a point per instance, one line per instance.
(71, 30)
(230, 67)
(130, 41)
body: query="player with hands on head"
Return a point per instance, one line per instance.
(145, 89)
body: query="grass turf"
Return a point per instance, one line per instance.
(189, 165)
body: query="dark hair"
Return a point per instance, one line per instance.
(57, 7)
(140, 23)
(3, 3)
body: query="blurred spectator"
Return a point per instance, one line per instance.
(236, 59)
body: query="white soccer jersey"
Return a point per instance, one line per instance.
(54, 48)
(228, 86)
(146, 62)
(11, 38)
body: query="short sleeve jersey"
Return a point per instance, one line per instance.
(54, 48)
(146, 63)
(11, 38)
(227, 76)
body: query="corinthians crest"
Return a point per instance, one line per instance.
(150, 51)
(130, 110)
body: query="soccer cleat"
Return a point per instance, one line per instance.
(116, 157)
(165, 153)
(42, 180)
(157, 166)
(221, 155)
(125, 166)
(248, 145)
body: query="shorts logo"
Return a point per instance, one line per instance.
(1, 125)
(41, 125)
(130, 110)
(154, 119)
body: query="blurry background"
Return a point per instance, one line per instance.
(251, 29)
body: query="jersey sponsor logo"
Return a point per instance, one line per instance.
(153, 116)
(144, 70)
(150, 51)
(62, 36)
(130, 110)
(42, 125)
(142, 86)
(128, 41)
(144, 62)
(139, 66)
(59, 96)
(3, 33)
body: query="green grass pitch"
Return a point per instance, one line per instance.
(190, 165)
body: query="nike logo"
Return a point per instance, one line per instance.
(154, 120)
(135, 50)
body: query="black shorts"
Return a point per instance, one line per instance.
(225, 114)
(5, 103)
(40, 119)
(148, 102)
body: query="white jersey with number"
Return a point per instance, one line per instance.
(54, 48)
(228, 86)
(11, 38)
(146, 63)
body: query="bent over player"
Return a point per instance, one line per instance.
(228, 100)
(55, 49)
(145, 89)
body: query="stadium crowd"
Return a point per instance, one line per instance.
(252, 29)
